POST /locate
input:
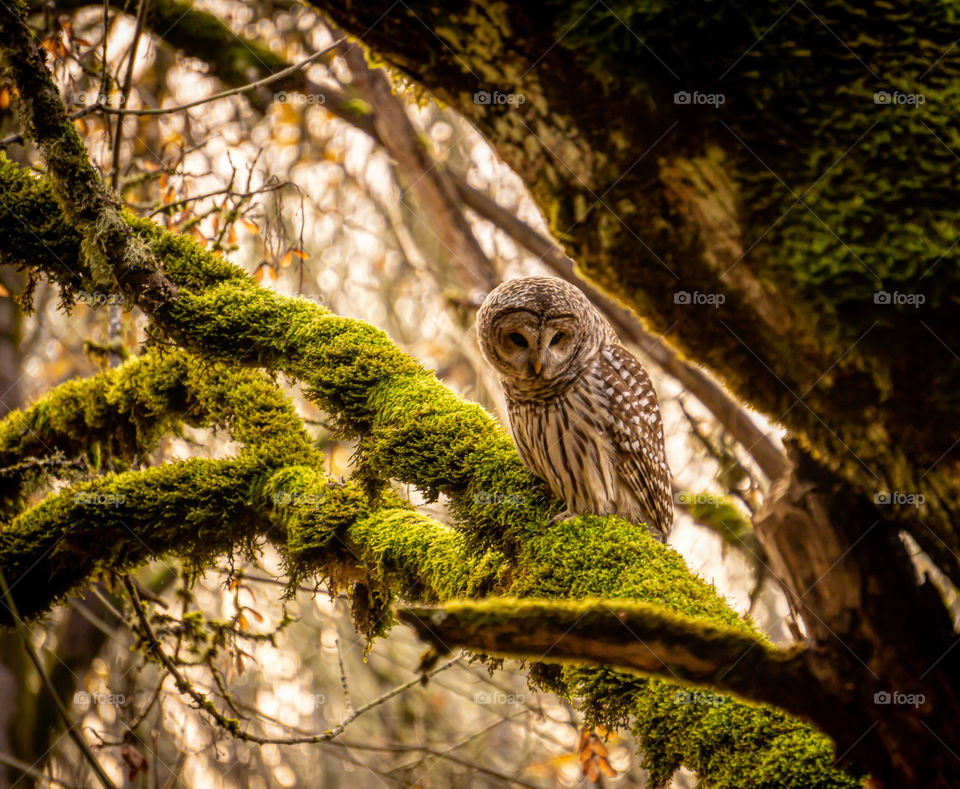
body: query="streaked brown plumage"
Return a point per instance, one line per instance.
(582, 408)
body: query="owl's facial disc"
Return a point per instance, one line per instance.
(536, 347)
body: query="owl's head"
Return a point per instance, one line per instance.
(538, 330)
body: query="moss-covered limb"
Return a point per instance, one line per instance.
(195, 510)
(198, 509)
(375, 545)
(115, 418)
(109, 248)
(628, 635)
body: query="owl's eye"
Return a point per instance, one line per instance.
(556, 338)
(518, 339)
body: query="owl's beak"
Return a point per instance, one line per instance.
(537, 365)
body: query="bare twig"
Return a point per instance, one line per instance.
(70, 725)
(280, 75)
(184, 685)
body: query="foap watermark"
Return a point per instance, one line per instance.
(295, 97)
(898, 498)
(896, 698)
(688, 498)
(698, 697)
(283, 498)
(696, 97)
(497, 97)
(697, 299)
(89, 98)
(496, 697)
(500, 499)
(98, 299)
(896, 298)
(898, 97)
(100, 499)
(317, 699)
(84, 699)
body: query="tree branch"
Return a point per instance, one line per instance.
(628, 635)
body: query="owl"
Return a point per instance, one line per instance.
(583, 411)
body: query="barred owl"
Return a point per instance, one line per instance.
(583, 411)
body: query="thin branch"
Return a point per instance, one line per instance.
(26, 769)
(343, 681)
(280, 75)
(441, 754)
(70, 726)
(125, 90)
(184, 685)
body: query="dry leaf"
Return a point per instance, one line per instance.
(286, 260)
(135, 760)
(591, 771)
(3, 291)
(4, 97)
(250, 225)
(606, 768)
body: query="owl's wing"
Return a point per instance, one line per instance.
(636, 429)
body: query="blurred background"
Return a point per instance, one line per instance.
(343, 184)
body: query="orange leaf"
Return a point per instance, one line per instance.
(264, 271)
(597, 746)
(4, 97)
(286, 260)
(250, 225)
(606, 768)
(299, 253)
(591, 771)
(81, 125)
(3, 291)
(242, 622)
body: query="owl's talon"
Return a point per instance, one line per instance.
(561, 516)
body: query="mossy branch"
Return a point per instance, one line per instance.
(624, 634)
